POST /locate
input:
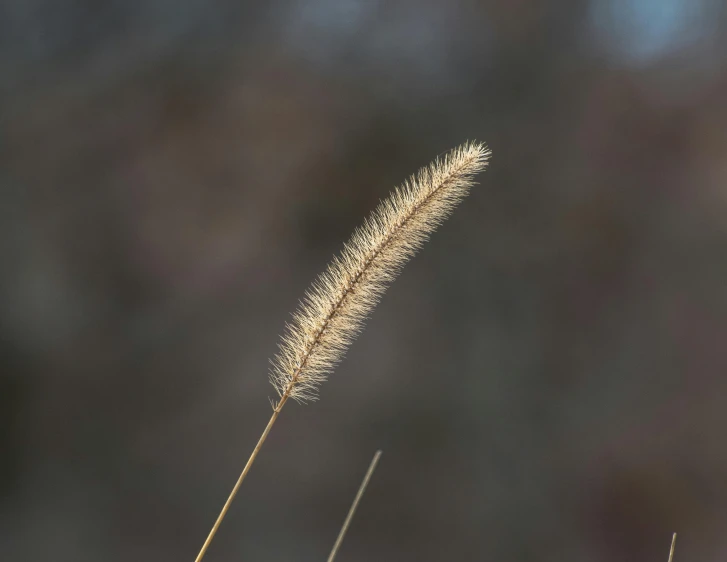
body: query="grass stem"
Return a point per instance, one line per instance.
(671, 550)
(354, 505)
(245, 470)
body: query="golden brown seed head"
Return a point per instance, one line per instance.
(336, 305)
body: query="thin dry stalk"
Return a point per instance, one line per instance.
(671, 550)
(245, 470)
(354, 505)
(335, 307)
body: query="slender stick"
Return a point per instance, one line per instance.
(671, 550)
(245, 470)
(351, 511)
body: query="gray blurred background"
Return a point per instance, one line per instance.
(547, 377)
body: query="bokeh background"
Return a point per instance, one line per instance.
(546, 379)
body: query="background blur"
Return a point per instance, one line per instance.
(546, 379)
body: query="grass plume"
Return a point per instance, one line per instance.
(335, 307)
(339, 301)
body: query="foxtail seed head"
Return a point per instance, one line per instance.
(334, 308)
